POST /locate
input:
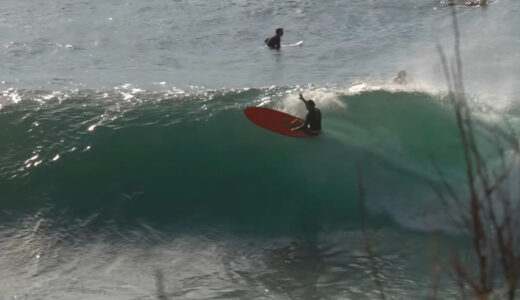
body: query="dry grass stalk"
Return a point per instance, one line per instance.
(489, 215)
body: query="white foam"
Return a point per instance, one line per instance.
(324, 98)
(11, 95)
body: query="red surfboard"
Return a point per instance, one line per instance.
(274, 120)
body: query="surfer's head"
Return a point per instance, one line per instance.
(310, 105)
(279, 31)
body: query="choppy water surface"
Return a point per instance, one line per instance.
(128, 170)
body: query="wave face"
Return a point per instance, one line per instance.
(176, 155)
(98, 184)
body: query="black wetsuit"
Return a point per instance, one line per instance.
(273, 43)
(313, 120)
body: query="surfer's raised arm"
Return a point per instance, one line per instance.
(303, 99)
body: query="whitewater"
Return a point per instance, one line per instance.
(129, 171)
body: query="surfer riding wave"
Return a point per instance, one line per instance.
(312, 124)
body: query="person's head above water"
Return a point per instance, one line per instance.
(279, 31)
(400, 78)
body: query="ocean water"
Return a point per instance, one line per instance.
(128, 170)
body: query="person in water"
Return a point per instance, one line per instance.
(476, 3)
(400, 78)
(274, 42)
(312, 124)
(480, 3)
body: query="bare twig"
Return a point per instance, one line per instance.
(159, 282)
(490, 232)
